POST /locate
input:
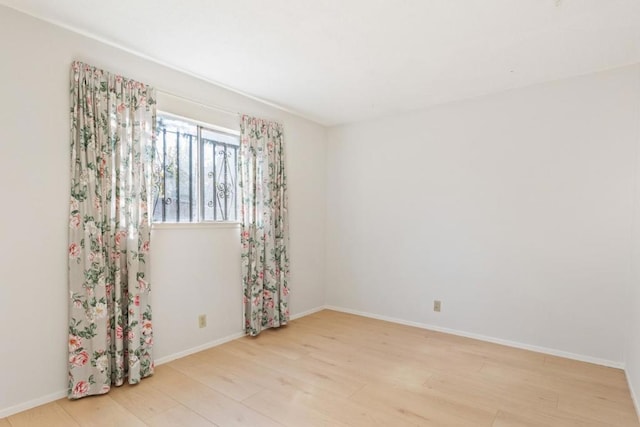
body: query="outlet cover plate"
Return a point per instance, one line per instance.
(437, 306)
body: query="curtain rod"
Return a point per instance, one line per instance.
(212, 106)
(202, 104)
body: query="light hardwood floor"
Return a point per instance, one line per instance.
(336, 369)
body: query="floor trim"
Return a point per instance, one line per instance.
(220, 341)
(7, 412)
(634, 396)
(196, 349)
(307, 312)
(515, 344)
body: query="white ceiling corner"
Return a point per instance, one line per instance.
(339, 61)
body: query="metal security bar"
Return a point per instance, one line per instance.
(220, 161)
(195, 178)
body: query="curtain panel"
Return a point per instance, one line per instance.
(110, 331)
(264, 224)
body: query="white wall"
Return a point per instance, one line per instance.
(514, 209)
(632, 355)
(193, 271)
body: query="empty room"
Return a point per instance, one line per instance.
(320, 213)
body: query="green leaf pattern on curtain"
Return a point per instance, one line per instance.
(110, 331)
(264, 226)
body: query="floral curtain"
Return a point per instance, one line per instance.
(110, 334)
(264, 226)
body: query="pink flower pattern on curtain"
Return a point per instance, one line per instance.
(264, 224)
(110, 331)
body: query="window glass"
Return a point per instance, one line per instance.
(195, 172)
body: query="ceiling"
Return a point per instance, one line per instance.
(339, 61)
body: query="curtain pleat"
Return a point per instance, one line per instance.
(110, 330)
(264, 224)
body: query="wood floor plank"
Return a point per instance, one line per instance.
(370, 367)
(210, 404)
(269, 341)
(50, 414)
(287, 411)
(479, 391)
(221, 379)
(332, 380)
(614, 411)
(262, 376)
(560, 382)
(317, 400)
(545, 417)
(99, 411)
(339, 369)
(246, 351)
(142, 400)
(584, 371)
(422, 407)
(179, 416)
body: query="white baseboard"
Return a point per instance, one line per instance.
(306, 313)
(545, 350)
(6, 412)
(220, 341)
(202, 347)
(63, 393)
(634, 396)
(166, 359)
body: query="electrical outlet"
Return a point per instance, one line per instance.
(202, 321)
(437, 305)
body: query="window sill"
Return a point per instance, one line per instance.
(194, 225)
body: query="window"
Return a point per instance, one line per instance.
(195, 172)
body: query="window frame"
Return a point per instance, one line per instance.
(200, 222)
